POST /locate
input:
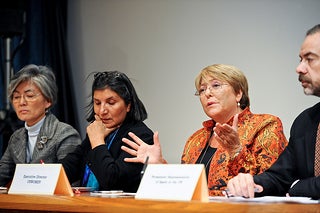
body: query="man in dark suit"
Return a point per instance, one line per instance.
(295, 173)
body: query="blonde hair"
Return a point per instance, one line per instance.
(229, 74)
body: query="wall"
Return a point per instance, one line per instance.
(163, 44)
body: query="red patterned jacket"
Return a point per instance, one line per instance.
(262, 139)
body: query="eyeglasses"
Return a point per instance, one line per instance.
(215, 86)
(27, 97)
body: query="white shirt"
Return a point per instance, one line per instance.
(33, 132)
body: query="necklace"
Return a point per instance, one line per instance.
(204, 158)
(207, 152)
(204, 153)
(209, 161)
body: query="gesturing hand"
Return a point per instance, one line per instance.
(227, 136)
(140, 150)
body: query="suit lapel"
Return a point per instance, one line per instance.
(310, 139)
(21, 147)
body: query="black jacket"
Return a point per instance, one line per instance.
(296, 162)
(108, 166)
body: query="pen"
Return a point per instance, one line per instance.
(227, 193)
(144, 166)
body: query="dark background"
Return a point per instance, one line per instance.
(34, 32)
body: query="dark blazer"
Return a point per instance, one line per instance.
(108, 166)
(296, 162)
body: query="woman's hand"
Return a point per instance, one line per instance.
(140, 150)
(243, 185)
(97, 132)
(227, 136)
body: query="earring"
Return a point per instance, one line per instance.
(238, 104)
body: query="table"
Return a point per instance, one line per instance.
(83, 203)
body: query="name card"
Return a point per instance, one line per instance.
(182, 182)
(44, 179)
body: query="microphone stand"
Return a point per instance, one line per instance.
(8, 70)
(13, 23)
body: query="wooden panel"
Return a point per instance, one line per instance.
(84, 203)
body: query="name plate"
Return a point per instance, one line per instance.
(44, 179)
(182, 182)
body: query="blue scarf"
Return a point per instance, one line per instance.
(89, 179)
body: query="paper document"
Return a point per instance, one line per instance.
(265, 199)
(3, 190)
(112, 194)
